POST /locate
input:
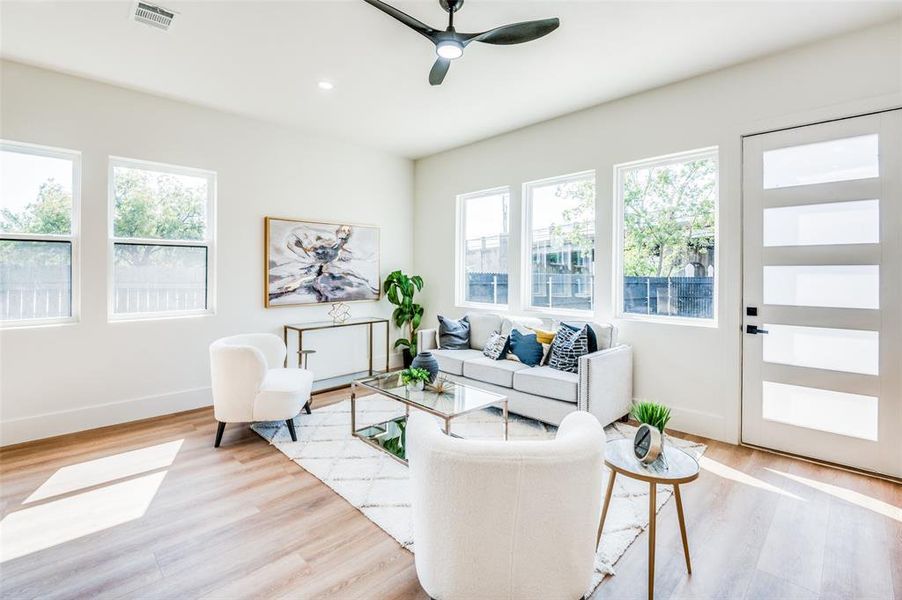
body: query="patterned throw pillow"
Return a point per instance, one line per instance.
(496, 347)
(566, 349)
(593, 341)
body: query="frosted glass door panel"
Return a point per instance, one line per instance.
(823, 224)
(847, 350)
(835, 160)
(825, 410)
(834, 286)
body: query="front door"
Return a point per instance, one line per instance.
(822, 287)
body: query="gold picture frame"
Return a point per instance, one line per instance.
(307, 262)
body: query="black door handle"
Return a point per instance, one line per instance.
(753, 329)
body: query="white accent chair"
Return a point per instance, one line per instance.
(251, 384)
(495, 519)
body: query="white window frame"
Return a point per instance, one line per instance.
(209, 240)
(710, 152)
(526, 246)
(72, 237)
(460, 254)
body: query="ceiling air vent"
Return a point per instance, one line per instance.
(152, 15)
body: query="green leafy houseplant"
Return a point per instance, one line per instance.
(399, 289)
(413, 375)
(656, 415)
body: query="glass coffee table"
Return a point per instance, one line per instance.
(389, 436)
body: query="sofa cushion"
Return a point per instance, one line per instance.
(482, 326)
(524, 324)
(497, 372)
(452, 361)
(590, 333)
(497, 346)
(547, 382)
(453, 335)
(605, 333)
(567, 347)
(526, 348)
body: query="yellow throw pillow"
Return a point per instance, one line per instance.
(543, 336)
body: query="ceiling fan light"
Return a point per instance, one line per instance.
(449, 49)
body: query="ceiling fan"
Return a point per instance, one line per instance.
(449, 44)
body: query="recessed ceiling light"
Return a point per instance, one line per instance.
(325, 85)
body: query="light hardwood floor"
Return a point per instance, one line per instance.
(243, 521)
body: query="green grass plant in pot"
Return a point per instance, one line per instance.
(652, 413)
(400, 289)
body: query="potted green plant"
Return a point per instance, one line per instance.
(648, 444)
(399, 289)
(651, 413)
(414, 379)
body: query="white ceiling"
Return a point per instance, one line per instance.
(264, 58)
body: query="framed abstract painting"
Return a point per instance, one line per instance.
(311, 262)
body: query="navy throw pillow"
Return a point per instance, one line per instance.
(567, 347)
(526, 347)
(453, 334)
(593, 341)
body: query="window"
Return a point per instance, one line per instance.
(668, 239)
(483, 234)
(39, 190)
(560, 235)
(161, 239)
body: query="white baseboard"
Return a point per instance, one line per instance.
(700, 423)
(36, 427)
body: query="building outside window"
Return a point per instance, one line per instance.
(667, 208)
(161, 239)
(39, 188)
(560, 235)
(484, 233)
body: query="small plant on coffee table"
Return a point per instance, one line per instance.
(415, 378)
(652, 413)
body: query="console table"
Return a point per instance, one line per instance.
(334, 383)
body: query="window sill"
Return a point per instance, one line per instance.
(482, 306)
(38, 323)
(586, 315)
(668, 320)
(137, 317)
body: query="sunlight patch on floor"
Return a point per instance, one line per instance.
(109, 468)
(46, 525)
(722, 470)
(851, 496)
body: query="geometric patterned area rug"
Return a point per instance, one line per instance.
(377, 485)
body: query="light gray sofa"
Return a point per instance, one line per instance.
(603, 386)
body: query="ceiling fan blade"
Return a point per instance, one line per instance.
(439, 70)
(516, 33)
(404, 18)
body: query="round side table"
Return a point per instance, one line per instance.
(675, 468)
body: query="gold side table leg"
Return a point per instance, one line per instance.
(679, 506)
(447, 426)
(604, 510)
(652, 517)
(354, 408)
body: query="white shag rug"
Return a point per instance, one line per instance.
(377, 484)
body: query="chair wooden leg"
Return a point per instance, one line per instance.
(291, 431)
(219, 430)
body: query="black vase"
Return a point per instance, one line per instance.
(425, 360)
(406, 358)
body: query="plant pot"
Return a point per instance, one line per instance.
(416, 386)
(406, 358)
(425, 360)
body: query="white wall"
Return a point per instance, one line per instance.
(696, 370)
(67, 378)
